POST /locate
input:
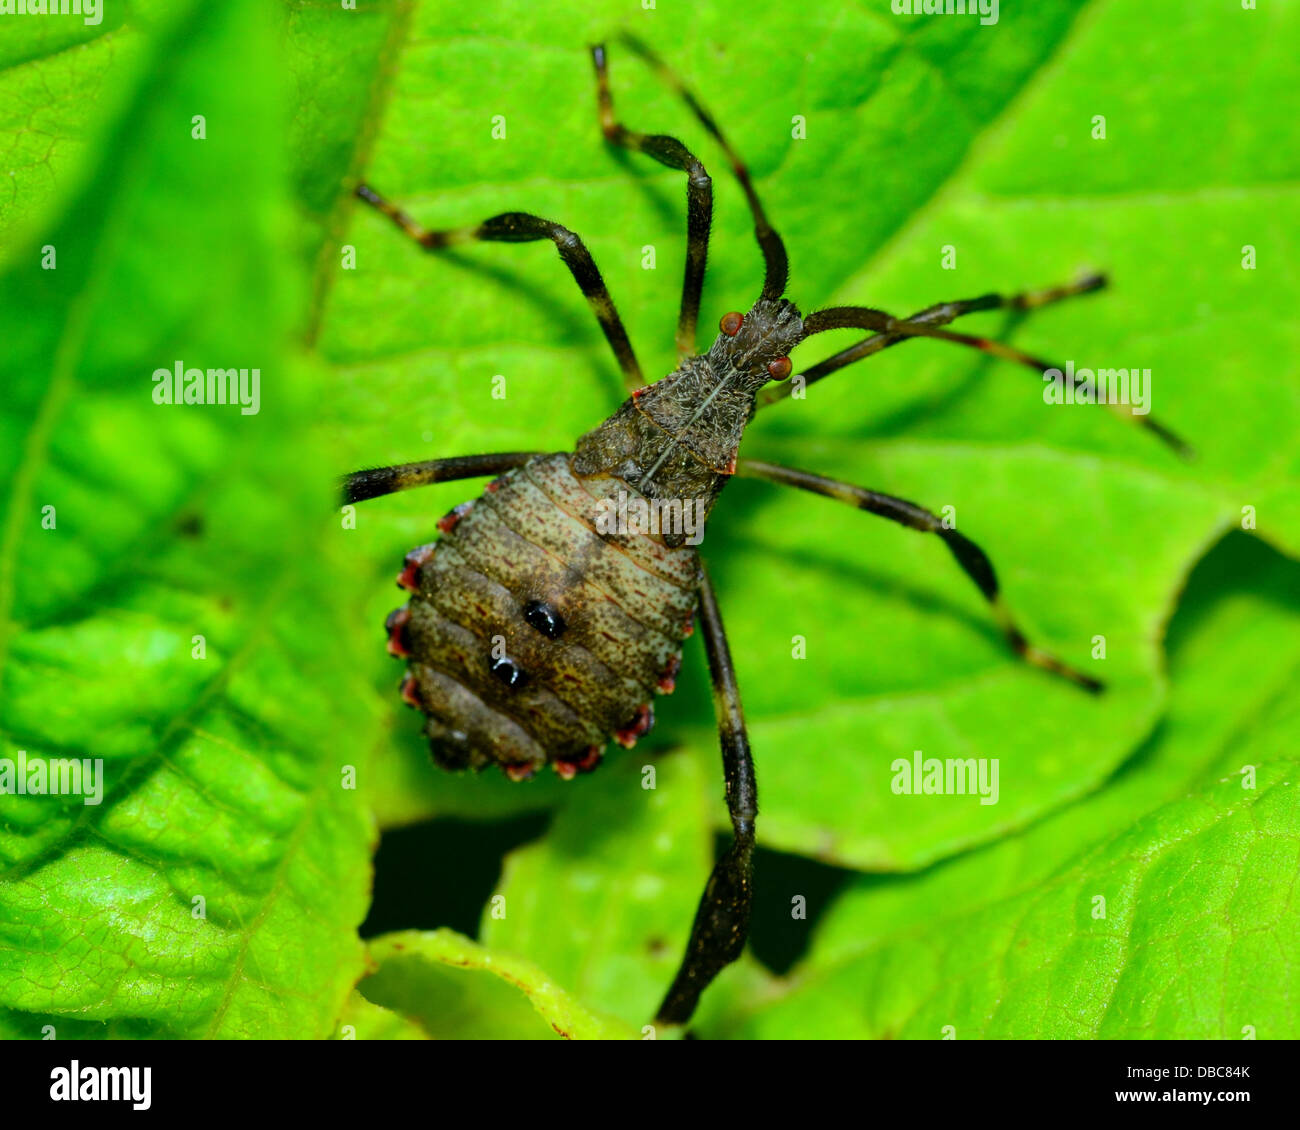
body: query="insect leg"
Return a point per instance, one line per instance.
(699, 196)
(776, 263)
(377, 481)
(940, 314)
(969, 556)
(521, 227)
(722, 920)
(866, 318)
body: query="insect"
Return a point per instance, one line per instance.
(535, 632)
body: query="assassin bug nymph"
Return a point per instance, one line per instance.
(532, 635)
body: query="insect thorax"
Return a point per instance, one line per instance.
(660, 444)
(678, 438)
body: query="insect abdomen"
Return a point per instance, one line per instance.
(531, 636)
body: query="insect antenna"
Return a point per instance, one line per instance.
(886, 325)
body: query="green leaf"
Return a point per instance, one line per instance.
(901, 657)
(621, 867)
(902, 653)
(415, 978)
(362, 1020)
(1168, 209)
(1162, 907)
(165, 597)
(53, 81)
(917, 135)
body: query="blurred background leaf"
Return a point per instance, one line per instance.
(172, 615)
(420, 974)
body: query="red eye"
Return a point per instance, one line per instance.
(779, 369)
(730, 323)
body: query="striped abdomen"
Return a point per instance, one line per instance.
(533, 638)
